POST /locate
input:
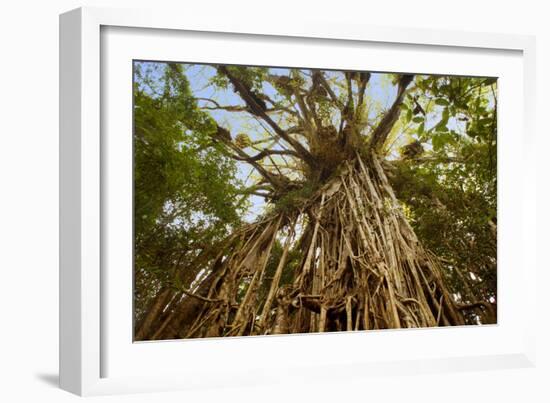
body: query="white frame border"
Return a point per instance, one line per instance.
(80, 299)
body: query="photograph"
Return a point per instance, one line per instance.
(276, 200)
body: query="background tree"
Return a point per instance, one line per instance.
(184, 188)
(275, 200)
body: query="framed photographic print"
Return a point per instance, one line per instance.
(238, 200)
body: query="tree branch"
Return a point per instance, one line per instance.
(439, 160)
(329, 90)
(363, 81)
(238, 108)
(257, 107)
(256, 193)
(348, 111)
(224, 136)
(266, 153)
(381, 133)
(217, 106)
(199, 297)
(477, 304)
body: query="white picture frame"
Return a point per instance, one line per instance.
(85, 343)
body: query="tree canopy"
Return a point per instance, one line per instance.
(280, 200)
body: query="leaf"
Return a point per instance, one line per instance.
(441, 101)
(420, 129)
(442, 125)
(486, 121)
(418, 119)
(437, 143)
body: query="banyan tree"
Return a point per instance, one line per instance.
(285, 200)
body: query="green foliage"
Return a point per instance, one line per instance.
(185, 191)
(253, 77)
(295, 199)
(451, 198)
(453, 208)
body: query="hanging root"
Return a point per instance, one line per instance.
(349, 260)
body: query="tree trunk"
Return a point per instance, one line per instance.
(362, 267)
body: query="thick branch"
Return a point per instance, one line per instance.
(381, 133)
(266, 153)
(278, 181)
(224, 136)
(363, 81)
(265, 195)
(349, 108)
(326, 86)
(307, 115)
(257, 107)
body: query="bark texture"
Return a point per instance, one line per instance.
(360, 267)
